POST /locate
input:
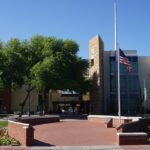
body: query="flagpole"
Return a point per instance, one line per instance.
(118, 63)
(115, 24)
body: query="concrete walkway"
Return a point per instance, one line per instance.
(100, 147)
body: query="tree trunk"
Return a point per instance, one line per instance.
(25, 100)
(46, 100)
(40, 100)
(43, 98)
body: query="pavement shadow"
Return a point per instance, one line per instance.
(40, 143)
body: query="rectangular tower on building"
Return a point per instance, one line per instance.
(96, 48)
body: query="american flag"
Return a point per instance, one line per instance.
(124, 60)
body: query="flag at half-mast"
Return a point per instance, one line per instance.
(123, 59)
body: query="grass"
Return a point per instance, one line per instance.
(3, 123)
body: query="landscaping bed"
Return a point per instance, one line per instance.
(5, 139)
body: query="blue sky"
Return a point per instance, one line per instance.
(78, 20)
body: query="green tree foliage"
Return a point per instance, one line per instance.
(13, 64)
(61, 68)
(43, 63)
(1, 65)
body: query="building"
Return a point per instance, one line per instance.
(104, 97)
(5, 101)
(96, 49)
(129, 85)
(57, 101)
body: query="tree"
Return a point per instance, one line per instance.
(43, 63)
(61, 68)
(12, 64)
(18, 59)
(1, 65)
(32, 53)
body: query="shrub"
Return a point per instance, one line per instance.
(5, 139)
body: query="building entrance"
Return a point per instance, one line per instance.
(71, 107)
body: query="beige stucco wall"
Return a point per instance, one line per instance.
(19, 95)
(96, 48)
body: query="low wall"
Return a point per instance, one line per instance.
(109, 123)
(36, 120)
(131, 138)
(21, 128)
(130, 130)
(136, 126)
(130, 127)
(24, 133)
(115, 119)
(96, 119)
(144, 122)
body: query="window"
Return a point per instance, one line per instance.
(112, 58)
(113, 67)
(92, 62)
(112, 83)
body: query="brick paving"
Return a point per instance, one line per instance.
(74, 133)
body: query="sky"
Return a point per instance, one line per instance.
(79, 20)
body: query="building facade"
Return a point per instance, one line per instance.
(103, 96)
(131, 84)
(96, 49)
(57, 101)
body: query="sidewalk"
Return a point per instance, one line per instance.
(101, 147)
